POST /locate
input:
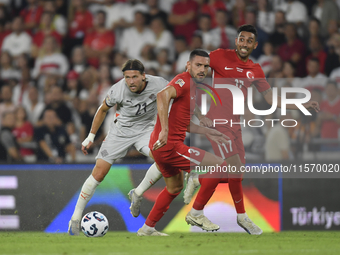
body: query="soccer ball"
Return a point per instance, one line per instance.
(94, 224)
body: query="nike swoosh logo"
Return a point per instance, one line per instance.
(226, 68)
(238, 201)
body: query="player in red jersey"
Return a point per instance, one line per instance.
(175, 105)
(236, 69)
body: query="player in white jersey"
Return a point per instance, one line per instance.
(135, 97)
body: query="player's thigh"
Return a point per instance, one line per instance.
(225, 150)
(114, 147)
(210, 159)
(142, 143)
(101, 169)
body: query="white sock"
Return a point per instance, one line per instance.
(195, 212)
(146, 228)
(85, 195)
(150, 178)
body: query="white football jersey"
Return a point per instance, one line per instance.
(137, 112)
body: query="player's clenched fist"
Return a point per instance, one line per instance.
(86, 144)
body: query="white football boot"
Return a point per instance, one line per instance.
(192, 184)
(135, 203)
(73, 227)
(201, 222)
(244, 222)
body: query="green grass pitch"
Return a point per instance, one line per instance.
(124, 243)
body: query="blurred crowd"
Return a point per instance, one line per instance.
(59, 58)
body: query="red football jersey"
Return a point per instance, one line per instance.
(229, 69)
(181, 109)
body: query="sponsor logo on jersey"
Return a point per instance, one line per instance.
(180, 82)
(250, 75)
(239, 69)
(153, 97)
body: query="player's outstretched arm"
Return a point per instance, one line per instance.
(213, 134)
(268, 96)
(96, 123)
(163, 102)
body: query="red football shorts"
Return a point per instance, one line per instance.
(172, 158)
(235, 145)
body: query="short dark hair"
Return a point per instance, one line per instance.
(247, 28)
(198, 52)
(133, 64)
(314, 59)
(101, 12)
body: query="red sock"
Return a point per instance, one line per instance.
(160, 207)
(235, 187)
(208, 185)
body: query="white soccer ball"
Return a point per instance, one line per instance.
(94, 224)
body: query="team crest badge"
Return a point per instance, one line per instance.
(250, 75)
(180, 82)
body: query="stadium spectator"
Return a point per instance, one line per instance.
(58, 105)
(6, 104)
(23, 133)
(262, 37)
(315, 79)
(114, 13)
(156, 13)
(277, 145)
(183, 18)
(204, 27)
(293, 49)
(265, 17)
(23, 61)
(78, 60)
(265, 60)
(163, 37)
(18, 41)
(7, 71)
(148, 58)
(99, 42)
(333, 55)
(49, 63)
(31, 15)
(20, 91)
(182, 53)
(328, 119)
(104, 82)
(136, 37)
(296, 12)
(118, 60)
(326, 11)
(253, 138)
(223, 35)
(288, 72)
(80, 23)
(53, 141)
(72, 86)
(335, 75)
(276, 68)
(59, 22)
(45, 30)
(313, 29)
(35, 106)
(277, 38)
(238, 14)
(3, 31)
(7, 138)
(210, 8)
(316, 51)
(164, 68)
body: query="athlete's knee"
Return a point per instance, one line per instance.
(99, 172)
(175, 189)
